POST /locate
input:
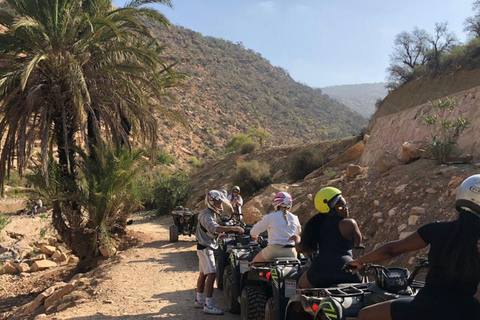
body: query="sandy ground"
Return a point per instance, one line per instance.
(155, 280)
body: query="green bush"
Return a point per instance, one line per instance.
(163, 157)
(169, 191)
(304, 162)
(195, 162)
(248, 147)
(252, 176)
(4, 221)
(237, 142)
(14, 180)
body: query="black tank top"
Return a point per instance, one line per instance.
(330, 240)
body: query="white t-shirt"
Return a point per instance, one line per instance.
(276, 226)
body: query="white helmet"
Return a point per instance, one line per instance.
(282, 199)
(468, 195)
(214, 200)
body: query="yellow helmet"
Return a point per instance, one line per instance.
(323, 197)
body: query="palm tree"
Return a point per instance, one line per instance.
(73, 71)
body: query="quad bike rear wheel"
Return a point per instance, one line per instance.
(220, 269)
(173, 233)
(253, 303)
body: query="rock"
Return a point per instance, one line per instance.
(401, 227)
(296, 207)
(412, 220)
(411, 260)
(378, 215)
(386, 161)
(240, 160)
(412, 150)
(73, 259)
(380, 221)
(42, 265)
(273, 189)
(454, 192)
(376, 203)
(455, 181)
(107, 251)
(310, 197)
(40, 316)
(399, 189)
(353, 170)
(40, 256)
(58, 294)
(277, 175)
(38, 300)
(415, 211)
(51, 241)
(48, 249)
(392, 212)
(8, 267)
(430, 191)
(21, 267)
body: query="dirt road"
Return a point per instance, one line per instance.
(152, 281)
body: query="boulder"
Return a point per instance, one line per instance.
(412, 220)
(415, 211)
(48, 249)
(8, 267)
(42, 265)
(412, 150)
(386, 162)
(58, 294)
(353, 170)
(38, 300)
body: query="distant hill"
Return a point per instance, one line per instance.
(358, 97)
(233, 89)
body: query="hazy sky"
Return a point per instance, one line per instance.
(320, 42)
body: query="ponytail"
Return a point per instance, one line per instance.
(285, 214)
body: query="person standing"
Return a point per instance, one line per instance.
(237, 202)
(206, 234)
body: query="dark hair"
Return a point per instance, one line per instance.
(461, 257)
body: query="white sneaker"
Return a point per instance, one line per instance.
(212, 310)
(199, 304)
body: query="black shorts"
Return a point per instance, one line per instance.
(325, 273)
(424, 307)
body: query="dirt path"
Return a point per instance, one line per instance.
(155, 280)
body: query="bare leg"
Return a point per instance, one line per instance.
(380, 311)
(201, 282)
(303, 282)
(209, 285)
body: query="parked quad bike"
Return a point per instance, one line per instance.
(225, 242)
(184, 223)
(240, 257)
(344, 301)
(267, 287)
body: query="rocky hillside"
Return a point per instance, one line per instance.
(233, 89)
(360, 98)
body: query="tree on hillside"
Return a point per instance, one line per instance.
(472, 24)
(68, 69)
(418, 51)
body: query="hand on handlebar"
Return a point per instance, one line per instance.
(352, 267)
(295, 238)
(238, 229)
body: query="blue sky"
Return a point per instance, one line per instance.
(320, 42)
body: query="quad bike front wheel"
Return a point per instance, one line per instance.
(229, 281)
(220, 269)
(173, 233)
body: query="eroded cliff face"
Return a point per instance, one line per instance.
(391, 131)
(420, 91)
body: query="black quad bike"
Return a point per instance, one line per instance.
(227, 241)
(184, 223)
(267, 287)
(344, 301)
(240, 257)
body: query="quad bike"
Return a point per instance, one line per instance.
(267, 287)
(240, 257)
(225, 242)
(184, 223)
(344, 301)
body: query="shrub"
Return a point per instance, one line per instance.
(13, 179)
(195, 162)
(163, 157)
(446, 125)
(252, 176)
(4, 221)
(305, 161)
(169, 191)
(248, 147)
(236, 143)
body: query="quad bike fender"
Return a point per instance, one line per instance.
(330, 309)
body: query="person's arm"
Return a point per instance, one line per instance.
(390, 249)
(212, 226)
(221, 229)
(240, 201)
(259, 227)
